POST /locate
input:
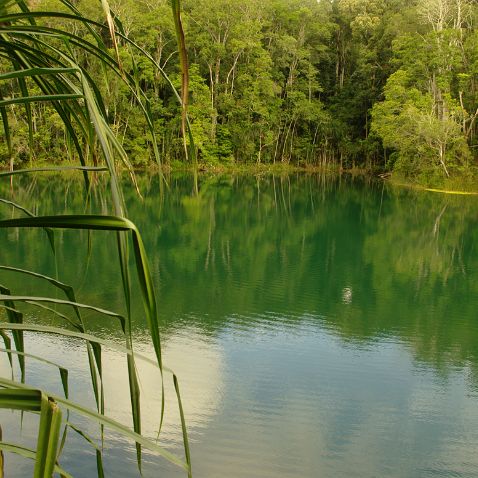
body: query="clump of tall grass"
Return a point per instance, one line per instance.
(44, 68)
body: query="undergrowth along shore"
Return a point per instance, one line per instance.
(467, 185)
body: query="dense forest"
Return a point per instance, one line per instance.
(389, 85)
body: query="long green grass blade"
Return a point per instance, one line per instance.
(50, 234)
(67, 289)
(99, 455)
(21, 399)
(62, 370)
(29, 72)
(84, 336)
(38, 98)
(14, 317)
(53, 169)
(2, 458)
(133, 381)
(31, 454)
(8, 346)
(183, 426)
(4, 297)
(6, 128)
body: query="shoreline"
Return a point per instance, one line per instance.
(255, 169)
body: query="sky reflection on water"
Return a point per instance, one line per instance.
(326, 329)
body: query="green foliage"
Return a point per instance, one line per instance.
(279, 81)
(426, 119)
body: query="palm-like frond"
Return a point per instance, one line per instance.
(44, 67)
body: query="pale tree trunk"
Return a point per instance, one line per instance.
(442, 150)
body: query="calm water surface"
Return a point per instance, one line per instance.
(319, 326)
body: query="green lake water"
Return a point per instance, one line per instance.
(319, 326)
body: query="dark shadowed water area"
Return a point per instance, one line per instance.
(319, 326)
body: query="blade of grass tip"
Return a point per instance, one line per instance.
(99, 455)
(78, 335)
(94, 348)
(125, 431)
(147, 290)
(2, 460)
(63, 438)
(8, 346)
(67, 289)
(48, 231)
(150, 307)
(75, 221)
(111, 27)
(4, 297)
(134, 389)
(48, 438)
(101, 132)
(74, 324)
(6, 128)
(135, 405)
(93, 375)
(63, 371)
(64, 382)
(15, 317)
(183, 427)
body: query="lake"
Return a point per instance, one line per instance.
(319, 325)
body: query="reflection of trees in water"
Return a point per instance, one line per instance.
(423, 253)
(368, 259)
